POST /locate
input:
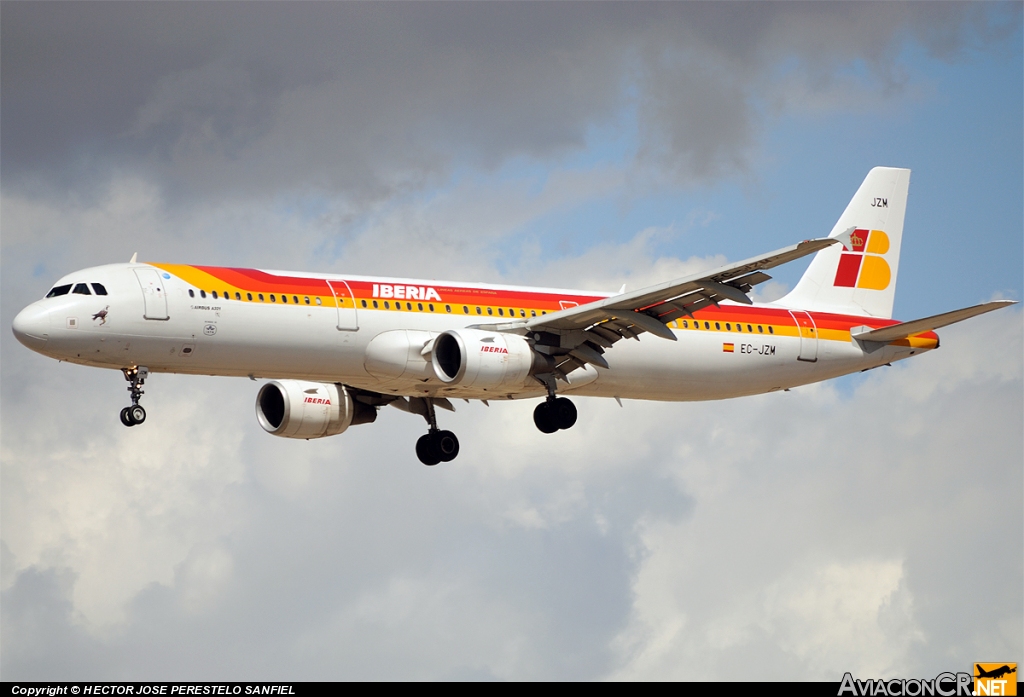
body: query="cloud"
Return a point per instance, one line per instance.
(373, 100)
(832, 528)
(817, 531)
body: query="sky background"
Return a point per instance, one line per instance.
(871, 524)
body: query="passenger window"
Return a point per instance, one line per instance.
(522, 313)
(387, 305)
(375, 306)
(214, 295)
(419, 306)
(447, 308)
(408, 306)
(99, 289)
(248, 296)
(760, 329)
(284, 298)
(238, 296)
(59, 290)
(749, 328)
(81, 289)
(364, 303)
(465, 310)
(295, 299)
(533, 313)
(260, 296)
(227, 295)
(272, 298)
(707, 325)
(320, 303)
(431, 307)
(728, 327)
(771, 330)
(191, 293)
(490, 310)
(685, 325)
(202, 294)
(478, 311)
(501, 311)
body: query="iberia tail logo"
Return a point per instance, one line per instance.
(863, 266)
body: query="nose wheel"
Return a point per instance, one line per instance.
(135, 414)
(555, 414)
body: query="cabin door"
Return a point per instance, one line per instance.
(808, 336)
(154, 293)
(346, 302)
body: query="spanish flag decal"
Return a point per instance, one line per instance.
(728, 348)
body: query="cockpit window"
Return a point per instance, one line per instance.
(100, 290)
(59, 290)
(81, 289)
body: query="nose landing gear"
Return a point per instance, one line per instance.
(136, 377)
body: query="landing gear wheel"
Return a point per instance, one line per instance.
(544, 418)
(446, 445)
(426, 451)
(126, 419)
(137, 414)
(554, 415)
(564, 412)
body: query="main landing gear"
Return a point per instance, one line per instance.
(555, 413)
(436, 445)
(135, 414)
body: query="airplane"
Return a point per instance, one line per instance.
(336, 348)
(995, 673)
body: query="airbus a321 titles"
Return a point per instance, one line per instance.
(337, 348)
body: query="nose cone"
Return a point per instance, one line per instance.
(32, 326)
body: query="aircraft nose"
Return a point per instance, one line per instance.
(32, 326)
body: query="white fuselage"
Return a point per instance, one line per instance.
(169, 327)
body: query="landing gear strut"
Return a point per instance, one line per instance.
(136, 377)
(435, 446)
(555, 413)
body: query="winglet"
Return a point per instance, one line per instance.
(845, 238)
(134, 259)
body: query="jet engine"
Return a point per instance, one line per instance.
(300, 409)
(482, 359)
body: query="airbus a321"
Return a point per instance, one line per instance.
(337, 348)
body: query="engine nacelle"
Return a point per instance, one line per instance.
(300, 409)
(485, 360)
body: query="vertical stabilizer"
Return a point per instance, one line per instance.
(859, 277)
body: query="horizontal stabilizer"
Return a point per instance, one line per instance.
(917, 326)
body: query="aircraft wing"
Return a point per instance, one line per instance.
(927, 324)
(579, 335)
(650, 309)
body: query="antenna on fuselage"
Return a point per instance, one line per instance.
(134, 258)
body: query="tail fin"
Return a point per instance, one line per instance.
(860, 277)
